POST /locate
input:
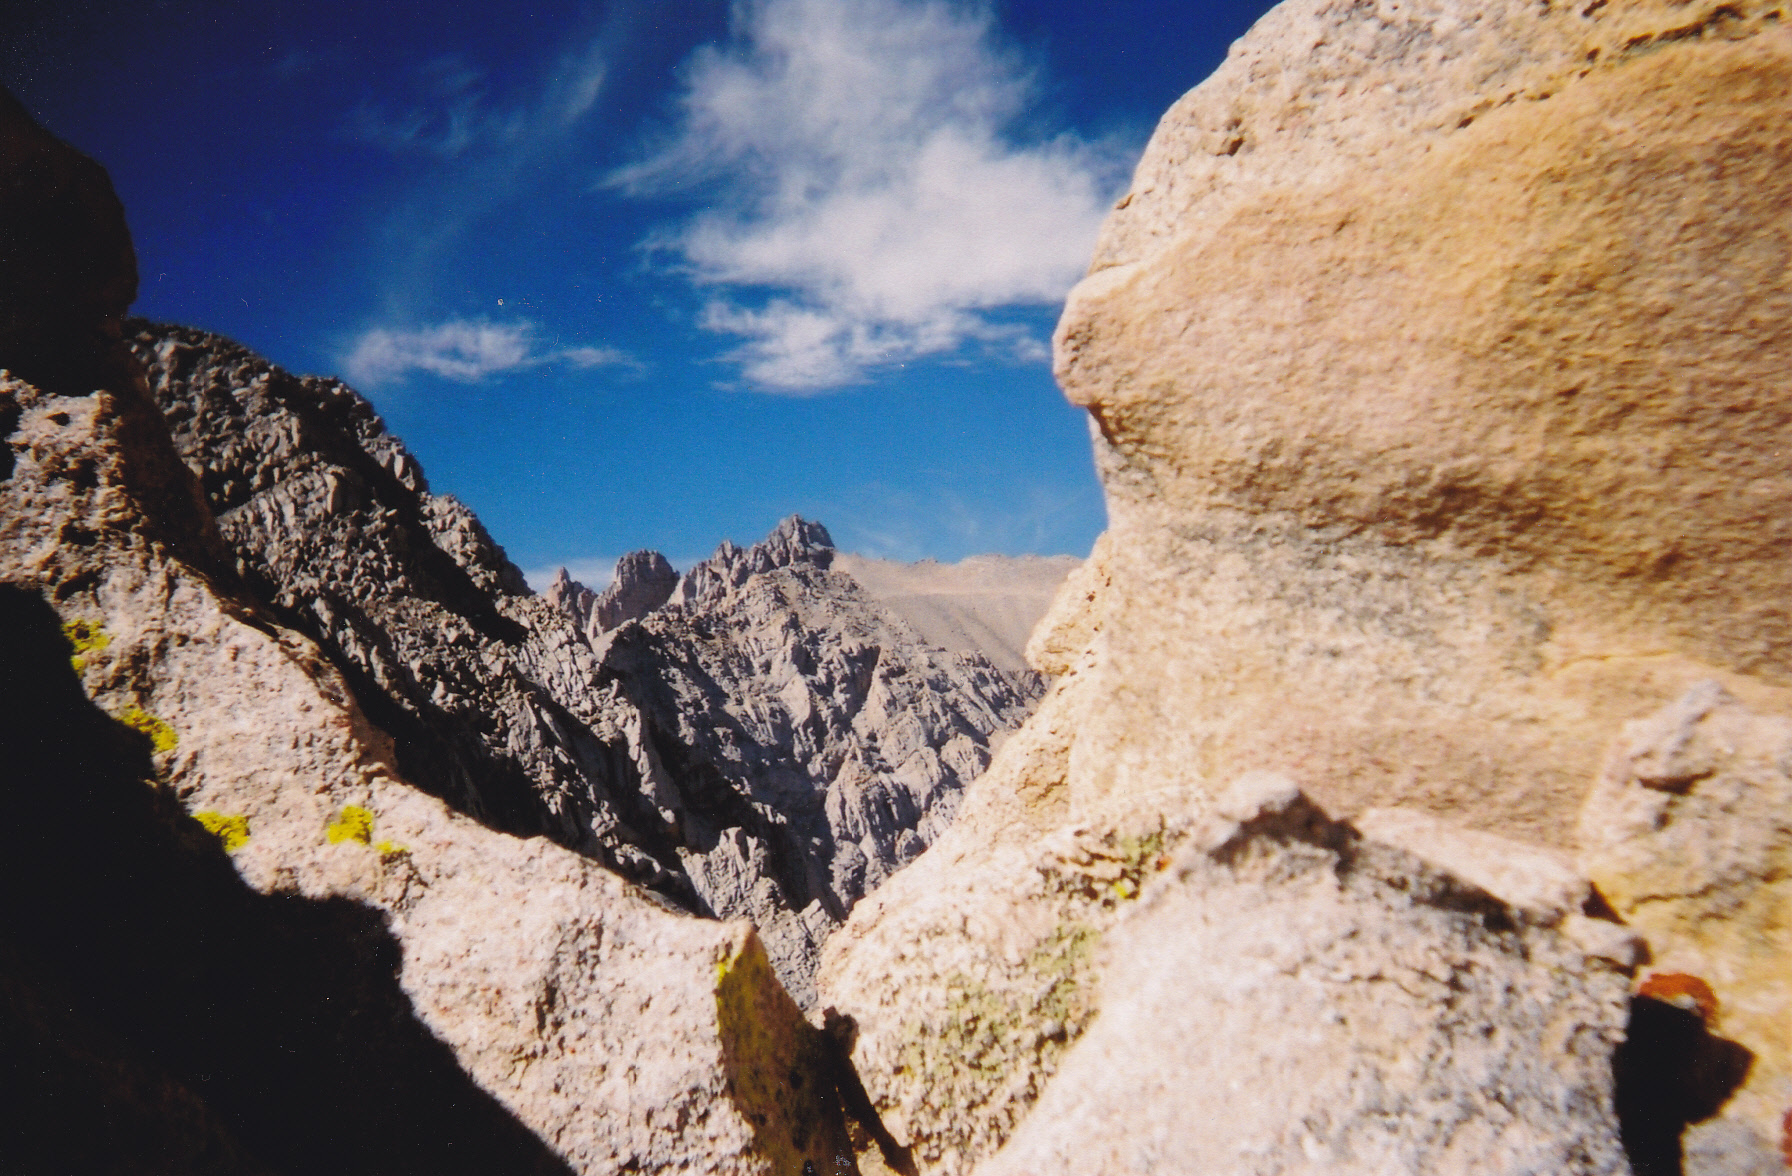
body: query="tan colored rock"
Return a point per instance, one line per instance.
(1437, 362)
(968, 974)
(1067, 631)
(623, 1034)
(1542, 885)
(1689, 838)
(1288, 997)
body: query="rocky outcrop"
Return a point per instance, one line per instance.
(331, 524)
(1286, 996)
(644, 580)
(236, 937)
(1688, 836)
(1441, 437)
(1450, 416)
(800, 741)
(327, 967)
(755, 739)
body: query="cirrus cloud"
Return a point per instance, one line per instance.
(876, 203)
(463, 350)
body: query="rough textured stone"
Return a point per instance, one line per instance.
(622, 1034)
(967, 974)
(644, 580)
(1289, 997)
(1441, 435)
(1435, 359)
(1689, 837)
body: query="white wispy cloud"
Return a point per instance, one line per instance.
(454, 111)
(463, 350)
(877, 202)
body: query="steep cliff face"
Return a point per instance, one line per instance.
(1437, 359)
(757, 738)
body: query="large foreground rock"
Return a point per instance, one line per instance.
(369, 981)
(1689, 836)
(1437, 361)
(1438, 357)
(1288, 997)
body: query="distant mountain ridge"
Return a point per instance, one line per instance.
(759, 737)
(774, 680)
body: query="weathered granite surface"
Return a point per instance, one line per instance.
(1436, 363)
(1688, 836)
(1434, 355)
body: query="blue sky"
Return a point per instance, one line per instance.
(634, 274)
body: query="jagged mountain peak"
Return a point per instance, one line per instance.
(795, 540)
(642, 582)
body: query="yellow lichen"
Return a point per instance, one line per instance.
(231, 830)
(353, 823)
(86, 637)
(161, 735)
(389, 851)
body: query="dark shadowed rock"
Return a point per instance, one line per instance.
(67, 269)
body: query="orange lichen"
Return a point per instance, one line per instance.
(1682, 991)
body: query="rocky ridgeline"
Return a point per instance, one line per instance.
(757, 738)
(644, 580)
(1413, 792)
(805, 742)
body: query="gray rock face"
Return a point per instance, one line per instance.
(483, 687)
(644, 581)
(804, 742)
(757, 738)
